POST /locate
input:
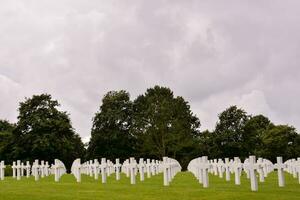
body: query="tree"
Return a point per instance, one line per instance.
(280, 140)
(110, 136)
(6, 130)
(207, 144)
(254, 130)
(164, 125)
(230, 135)
(43, 132)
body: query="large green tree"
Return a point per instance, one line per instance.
(6, 130)
(164, 125)
(207, 144)
(44, 132)
(110, 136)
(230, 136)
(280, 140)
(254, 129)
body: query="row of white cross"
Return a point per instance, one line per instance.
(201, 167)
(93, 169)
(37, 170)
(130, 167)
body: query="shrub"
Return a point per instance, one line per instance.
(8, 170)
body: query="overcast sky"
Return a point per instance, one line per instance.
(213, 53)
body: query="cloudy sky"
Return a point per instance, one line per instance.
(213, 53)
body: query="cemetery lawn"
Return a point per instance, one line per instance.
(184, 186)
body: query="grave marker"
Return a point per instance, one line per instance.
(14, 168)
(280, 166)
(103, 167)
(95, 168)
(76, 169)
(27, 167)
(148, 167)
(2, 170)
(35, 170)
(132, 166)
(166, 168)
(227, 169)
(141, 169)
(252, 167)
(117, 168)
(238, 166)
(18, 168)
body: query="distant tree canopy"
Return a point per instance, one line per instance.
(6, 130)
(230, 132)
(164, 125)
(43, 132)
(110, 136)
(281, 140)
(155, 124)
(239, 134)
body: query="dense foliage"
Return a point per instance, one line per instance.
(155, 124)
(43, 132)
(239, 134)
(110, 137)
(6, 130)
(164, 125)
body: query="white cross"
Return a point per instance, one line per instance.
(220, 167)
(205, 166)
(199, 170)
(14, 168)
(166, 168)
(215, 166)
(91, 168)
(96, 167)
(153, 170)
(35, 168)
(237, 165)
(110, 168)
(280, 166)
(27, 167)
(76, 169)
(260, 170)
(42, 167)
(117, 168)
(141, 169)
(103, 167)
(252, 167)
(2, 170)
(47, 168)
(298, 168)
(132, 166)
(22, 169)
(294, 168)
(18, 167)
(148, 165)
(56, 168)
(227, 169)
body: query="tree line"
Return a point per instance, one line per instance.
(153, 125)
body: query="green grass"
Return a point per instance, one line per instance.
(184, 186)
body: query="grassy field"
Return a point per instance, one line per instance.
(184, 186)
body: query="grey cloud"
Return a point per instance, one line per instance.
(214, 53)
